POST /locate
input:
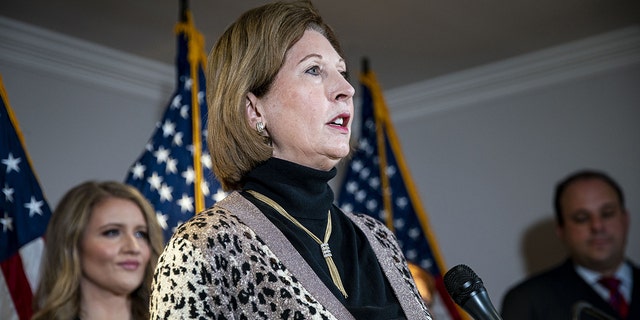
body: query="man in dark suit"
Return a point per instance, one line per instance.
(593, 223)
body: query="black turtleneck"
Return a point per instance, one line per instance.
(305, 194)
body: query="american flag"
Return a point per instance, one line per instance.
(23, 220)
(377, 183)
(174, 171)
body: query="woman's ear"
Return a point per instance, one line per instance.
(253, 114)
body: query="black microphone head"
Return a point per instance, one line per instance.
(462, 283)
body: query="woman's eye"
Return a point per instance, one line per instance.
(315, 70)
(345, 74)
(111, 232)
(142, 234)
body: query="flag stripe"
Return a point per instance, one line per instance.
(18, 284)
(30, 255)
(7, 309)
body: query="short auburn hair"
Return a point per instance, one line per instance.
(246, 59)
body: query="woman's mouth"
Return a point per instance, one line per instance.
(129, 265)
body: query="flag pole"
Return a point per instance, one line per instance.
(195, 118)
(196, 58)
(184, 8)
(365, 65)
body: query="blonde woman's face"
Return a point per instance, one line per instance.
(309, 109)
(114, 248)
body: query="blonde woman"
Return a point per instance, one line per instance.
(102, 244)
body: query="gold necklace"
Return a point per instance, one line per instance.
(324, 245)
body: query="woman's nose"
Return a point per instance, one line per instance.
(343, 89)
(131, 244)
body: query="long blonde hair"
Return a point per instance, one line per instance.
(58, 294)
(247, 58)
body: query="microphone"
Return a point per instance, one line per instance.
(579, 306)
(467, 290)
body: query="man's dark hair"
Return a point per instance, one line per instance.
(582, 175)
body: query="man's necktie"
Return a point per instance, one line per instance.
(616, 299)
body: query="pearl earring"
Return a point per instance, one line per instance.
(260, 127)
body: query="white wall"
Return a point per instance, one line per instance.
(484, 146)
(86, 111)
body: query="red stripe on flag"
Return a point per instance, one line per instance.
(446, 298)
(18, 285)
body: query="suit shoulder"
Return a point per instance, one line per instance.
(554, 276)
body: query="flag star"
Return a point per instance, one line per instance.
(374, 182)
(399, 223)
(206, 161)
(204, 186)
(165, 193)
(155, 181)
(12, 163)
(7, 223)
(191, 149)
(176, 226)
(361, 195)
(219, 195)
(356, 165)
(8, 192)
(185, 203)
(201, 96)
(177, 139)
(391, 171)
(414, 233)
(370, 124)
(177, 101)
(162, 154)
(189, 175)
(168, 128)
(411, 254)
(364, 173)
(172, 165)
(363, 144)
(188, 83)
(138, 170)
(347, 207)
(184, 112)
(426, 264)
(371, 205)
(34, 206)
(352, 186)
(162, 220)
(402, 202)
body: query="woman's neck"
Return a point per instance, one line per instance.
(98, 304)
(302, 191)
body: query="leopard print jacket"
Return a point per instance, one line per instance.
(231, 262)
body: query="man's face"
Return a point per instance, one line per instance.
(595, 225)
